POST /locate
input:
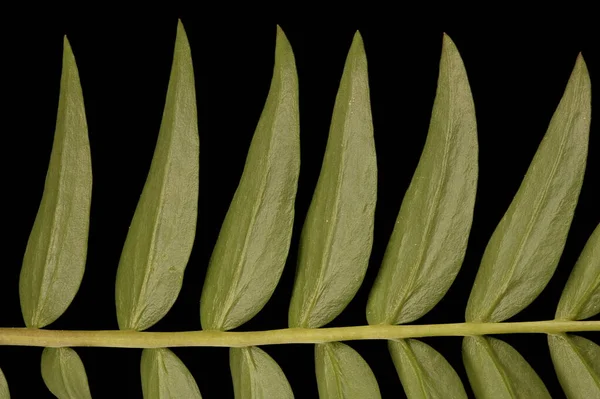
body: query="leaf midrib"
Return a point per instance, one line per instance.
(252, 371)
(576, 312)
(231, 294)
(536, 213)
(337, 370)
(416, 366)
(583, 360)
(433, 209)
(62, 361)
(326, 257)
(165, 371)
(157, 216)
(44, 288)
(496, 362)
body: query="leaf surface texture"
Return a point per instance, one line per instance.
(496, 370)
(164, 376)
(430, 237)
(577, 364)
(256, 375)
(161, 235)
(64, 373)
(424, 372)
(343, 374)
(526, 246)
(337, 235)
(581, 296)
(253, 244)
(4, 392)
(56, 251)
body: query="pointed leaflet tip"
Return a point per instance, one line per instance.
(448, 44)
(182, 53)
(580, 73)
(356, 55)
(68, 57)
(181, 33)
(357, 40)
(580, 67)
(283, 49)
(281, 37)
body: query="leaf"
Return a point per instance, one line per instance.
(256, 375)
(581, 296)
(162, 231)
(337, 236)
(577, 364)
(56, 251)
(4, 393)
(424, 372)
(430, 237)
(525, 248)
(496, 370)
(342, 373)
(64, 374)
(164, 376)
(253, 245)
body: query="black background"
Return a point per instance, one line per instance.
(517, 74)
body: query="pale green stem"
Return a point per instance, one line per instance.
(136, 339)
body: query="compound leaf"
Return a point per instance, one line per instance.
(64, 373)
(253, 245)
(337, 236)
(343, 374)
(164, 376)
(162, 231)
(577, 364)
(496, 370)
(526, 246)
(430, 237)
(424, 372)
(257, 376)
(55, 256)
(581, 296)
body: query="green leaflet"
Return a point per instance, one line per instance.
(253, 245)
(162, 231)
(164, 376)
(64, 373)
(577, 364)
(336, 239)
(343, 374)
(496, 370)
(55, 256)
(256, 375)
(4, 393)
(424, 372)
(430, 237)
(523, 252)
(581, 296)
